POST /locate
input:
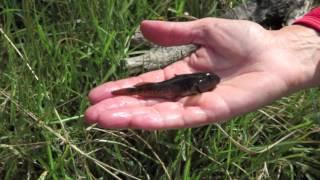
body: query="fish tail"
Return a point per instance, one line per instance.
(125, 91)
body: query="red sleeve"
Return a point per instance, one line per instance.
(311, 19)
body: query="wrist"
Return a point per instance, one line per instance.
(302, 44)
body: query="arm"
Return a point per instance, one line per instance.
(304, 44)
(304, 38)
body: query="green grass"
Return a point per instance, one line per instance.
(72, 46)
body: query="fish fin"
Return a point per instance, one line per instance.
(180, 75)
(124, 91)
(143, 84)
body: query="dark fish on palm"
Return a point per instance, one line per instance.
(178, 86)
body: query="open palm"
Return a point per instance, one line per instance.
(251, 61)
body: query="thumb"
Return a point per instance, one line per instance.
(173, 33)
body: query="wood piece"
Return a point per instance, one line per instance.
(272, 14)
(158, 57)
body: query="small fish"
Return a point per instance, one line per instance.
(179, 86)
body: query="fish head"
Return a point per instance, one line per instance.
(206, 82)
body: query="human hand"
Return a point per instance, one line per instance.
(256, 67)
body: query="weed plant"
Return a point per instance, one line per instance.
(52, 52)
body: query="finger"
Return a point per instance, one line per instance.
(166, 115)
(176, 33)
(126, 112)
(104, 91)
(92, 113)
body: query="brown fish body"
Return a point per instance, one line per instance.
(178, 86)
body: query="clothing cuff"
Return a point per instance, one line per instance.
(311, 19)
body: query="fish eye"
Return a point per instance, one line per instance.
(209, 76)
